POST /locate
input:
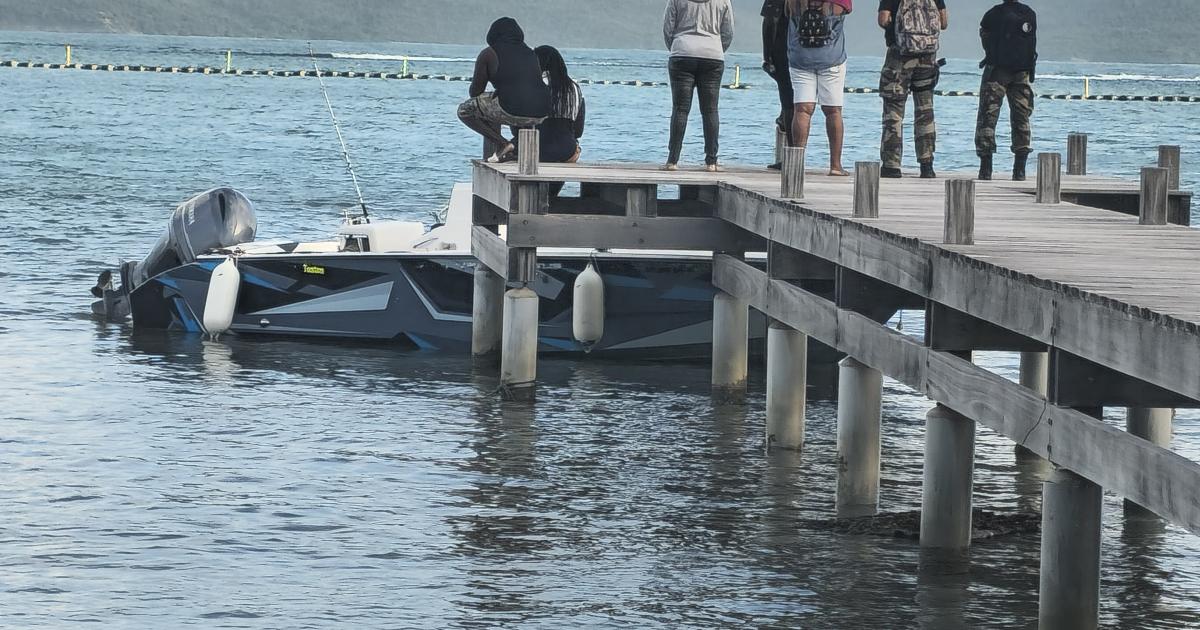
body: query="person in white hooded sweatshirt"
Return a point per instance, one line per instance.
(697, 32)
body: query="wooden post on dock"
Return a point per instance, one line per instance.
(1168, 158)
(781, 143)
(1069, 586)
(860, 403)
(787, 386)
(519, 339)
(1077, 146)
(792, 182)
(960, 212)
(1152, 209)
(1049, 178)
(487, 312)
(1035, 375)
(731, 346)
(866, 190)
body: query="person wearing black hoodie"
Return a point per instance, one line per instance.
(520, 99)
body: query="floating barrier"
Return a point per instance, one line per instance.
(410, 76)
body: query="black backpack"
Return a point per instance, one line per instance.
(1014, 47)
(812, 27)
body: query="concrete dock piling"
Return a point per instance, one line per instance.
(1034, 375)
(518, 363)
(948, 480)
(487, 312)
(859, 417)
(1155, 424)
(1069, 587)
(787, 379)
(731, 346)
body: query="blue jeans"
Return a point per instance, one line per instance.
(690, 74)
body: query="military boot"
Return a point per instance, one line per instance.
(1019, 166)
(927, 171)
(889, 172)
(985, 167)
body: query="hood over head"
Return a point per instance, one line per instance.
(505, 31)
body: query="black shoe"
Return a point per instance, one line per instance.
(778, 166)
(1019, 167)
(890, 173)
(927, 170)
(985, 167)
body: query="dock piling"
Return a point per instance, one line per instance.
(792, 182)
(518, 362)
(1035, 375)
(960, 212)
(787, 386)
(731, 346)
(1049, 178)
(866, 190)
(860, 403)
(1077, 147)
(1154, 198)
(487, 312)
(1069, 587)
(1168, 158)
(948, 480)
(1153, 424)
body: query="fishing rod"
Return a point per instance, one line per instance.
(337, 127)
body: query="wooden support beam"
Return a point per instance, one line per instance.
(604, 232)
(1049, 178)
(868, 296)
(949, 330)
(866, 190)
(1077, 146)
(484, 212)
(1168, 158)
(785, 263)
(1155, 184)
(1077, 382)
(691, 192)
(960, 212)
(490, 249)
(641, 201)
(1163, 481)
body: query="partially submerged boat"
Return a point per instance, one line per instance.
(394, 281)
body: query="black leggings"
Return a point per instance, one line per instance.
(690, 74)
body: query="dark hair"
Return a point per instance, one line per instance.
(563, 99)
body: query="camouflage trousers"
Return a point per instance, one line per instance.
(900, 77)
(998, 83)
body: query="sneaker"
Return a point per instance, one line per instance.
(927, 171)
(985, 167)
(712, 168)
(890, 173)
(670, 167)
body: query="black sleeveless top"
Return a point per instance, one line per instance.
(518, 79)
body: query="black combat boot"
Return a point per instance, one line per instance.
(1019, 166)
(927, 170)
(890, 173)
(985, 167)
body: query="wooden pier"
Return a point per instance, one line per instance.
(1084, 276)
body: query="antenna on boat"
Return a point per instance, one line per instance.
(337, 127)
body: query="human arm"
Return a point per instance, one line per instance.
(485, 67)
(727, 27)
(885, 19)
(581, 118)
(945, 15)
(669, 24)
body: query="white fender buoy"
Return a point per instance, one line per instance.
(221, 302)
(587, 322)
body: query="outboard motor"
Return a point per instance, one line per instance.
(218, 219)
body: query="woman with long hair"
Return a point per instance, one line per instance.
(561, 131)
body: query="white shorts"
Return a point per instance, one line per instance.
(826, 87)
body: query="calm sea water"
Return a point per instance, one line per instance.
(154, 480)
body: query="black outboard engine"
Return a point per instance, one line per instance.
(217, 219)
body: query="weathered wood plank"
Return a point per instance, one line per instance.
(490, 249)
(491, 185)
(605, 232)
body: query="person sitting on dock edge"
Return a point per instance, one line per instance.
(817, 61)
(697, 32)
(561, 131)
(520, 100)
(1009, 35)
(912, 30)
(775, 64)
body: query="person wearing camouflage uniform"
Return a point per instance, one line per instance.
(1009, 35)
(904, 74)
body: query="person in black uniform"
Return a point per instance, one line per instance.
(775, 62)
(1009, 35)
(562, 129)
(520, 99)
